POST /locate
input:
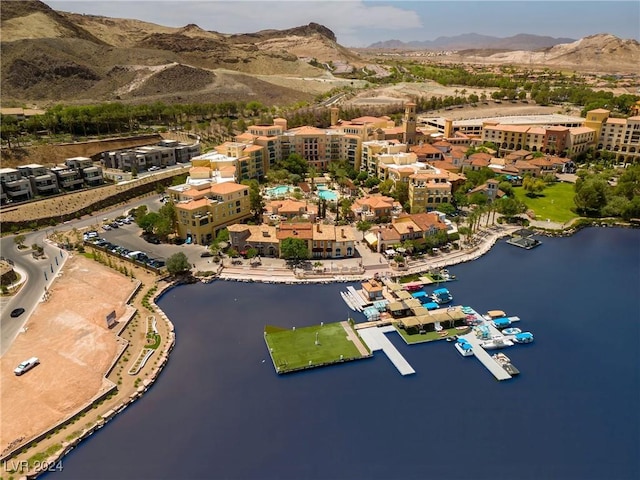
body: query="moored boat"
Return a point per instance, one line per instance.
(441, 296)
(505, 362)
(511, 331)
(464, 347)
(523, 337)
(495, 343)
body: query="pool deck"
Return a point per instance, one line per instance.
(376, 339)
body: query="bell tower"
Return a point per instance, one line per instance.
(409, 124)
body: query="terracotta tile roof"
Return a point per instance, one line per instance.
(406, 226)
(193, 204)
(295, 230)
(617, 121)
(427, 220)
(324, 232)
(307, 130)
(345, 234)
(425, 149)
(390, 234)
(262, 234)
(375, 202)
(238, 227)
(580, 130)
(227, 187)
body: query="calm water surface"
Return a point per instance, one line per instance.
(220, 411)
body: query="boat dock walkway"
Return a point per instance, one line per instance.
(376, 340)
(481, 354)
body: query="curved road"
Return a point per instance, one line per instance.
(40, 273)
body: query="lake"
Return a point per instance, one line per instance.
(219, 410)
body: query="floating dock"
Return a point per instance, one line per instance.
(376, 340)
(480, 353)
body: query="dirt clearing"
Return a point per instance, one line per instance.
(69, 335)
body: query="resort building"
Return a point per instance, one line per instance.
(551, 139)
(261, 237)
(375, 208)
(475, 126)
(415, 227)
(290, 209)
(323, 241)
(204, 209)
(618, 135)
(428, 189)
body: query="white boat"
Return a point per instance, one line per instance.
(495, 343)
(347, 300)
(524, 337)
(464, 348)
(441, 296)
(511, 331)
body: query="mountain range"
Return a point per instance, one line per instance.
(50, 56)
(467, 41)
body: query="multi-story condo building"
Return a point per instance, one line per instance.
(249, 159)
(551, 140)
(372, 150)
(428, 190)
(204, 209)
(618, 135)
(13, 186)
(165, 153)
(43, 181)
(91, 174)
(68, 178)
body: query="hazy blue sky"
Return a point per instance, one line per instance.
(359, 23)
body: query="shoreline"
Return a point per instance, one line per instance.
(454, 258)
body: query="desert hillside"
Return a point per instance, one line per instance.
(50, 56)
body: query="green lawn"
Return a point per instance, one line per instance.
(554, 203)
(293, 349)
(429, 336)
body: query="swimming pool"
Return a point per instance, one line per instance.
(278, 191)
(327, 195)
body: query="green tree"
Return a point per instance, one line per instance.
(294, 249)
(363, 226)
(256, 202)
(533, 185)
(178, 263)
(19, 240)
(148, 222)
(591, 195)
(294, 163)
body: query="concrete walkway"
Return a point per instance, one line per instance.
(376, 340)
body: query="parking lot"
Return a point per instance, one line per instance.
(130, 237)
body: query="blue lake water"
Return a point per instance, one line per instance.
(220, 411)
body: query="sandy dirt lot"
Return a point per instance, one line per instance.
(68, 333)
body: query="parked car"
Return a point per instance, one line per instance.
(206, 253)
(16, 312)
(114, 225)
(106, 227)
(26, 366)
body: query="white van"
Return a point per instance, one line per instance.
(26, 366)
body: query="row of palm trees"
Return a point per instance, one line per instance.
(477, 215)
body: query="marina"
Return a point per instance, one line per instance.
(486, 335)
